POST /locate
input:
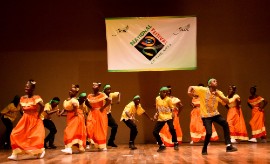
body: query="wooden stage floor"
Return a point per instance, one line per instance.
(146, 153)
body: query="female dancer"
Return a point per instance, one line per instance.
(75, 131)
(164, 133)
(97, 121)
(28, 135)
(235, 117)
(257, 104)
(9, 114)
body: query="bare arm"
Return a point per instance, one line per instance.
(108, 101)
(190, 91)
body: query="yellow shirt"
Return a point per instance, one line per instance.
(47, 108)
(131, 109)
(70, 103)
(164, 108)
(10, 110)
(112, 96)
(208, 101)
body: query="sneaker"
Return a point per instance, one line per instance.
(87, 147)
(133, 147)
(112, 144)
(253, 140)
(231, 148)
(204, 151)
(176, 146)
(13, 157)
(42, 154)
(161, 148)
(191, 142)
(67, 150)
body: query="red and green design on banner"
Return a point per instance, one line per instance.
(151, 44)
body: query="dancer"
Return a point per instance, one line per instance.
(9, 114)
(197, 129)
(75, 131)
(257, 104)
(209, 98)
(164, 133)
(128, 117)
(235, 117)
(28, 135)
(111, 122)
(164, 114)
(97, 121)
(50, 108)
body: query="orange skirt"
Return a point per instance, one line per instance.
(75, 131)
(97, 126)
(197, 129)
(237, 124)
(257, 123)
(28, 135)
(165, 134)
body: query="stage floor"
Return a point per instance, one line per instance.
(147, 153)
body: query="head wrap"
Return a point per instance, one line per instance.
(210, 80)
(76, 87)
(83, 94)
(106, 86)
(136, 97)
(164, 89)
(54, 101)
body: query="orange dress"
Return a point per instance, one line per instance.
(197, 129)
(97, 121)
(29, 134)
(75, 131)
(236, 120)
(257, 118)
(165, 134)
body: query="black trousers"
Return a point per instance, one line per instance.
(9, 126)
(159, 125)
(133, 129)
(113, 125)
(51, 127)
(207, 122)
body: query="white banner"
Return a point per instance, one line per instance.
(151, 44)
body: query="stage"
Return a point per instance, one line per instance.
(146, 153)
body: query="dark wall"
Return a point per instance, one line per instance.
(62, 43)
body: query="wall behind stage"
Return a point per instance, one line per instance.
(63, 48)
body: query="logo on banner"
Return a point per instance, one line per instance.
(149, 46)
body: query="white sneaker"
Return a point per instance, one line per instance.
(233, 140)
(67, 150)
(253, 140)
(13, 157)
(191, 142)
(42, 154)
(87, 147)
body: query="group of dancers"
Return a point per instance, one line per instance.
(89, 116)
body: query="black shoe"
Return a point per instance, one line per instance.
(52, 147)
(231, 148)
(112, 144)
(204, 151)
(176, 146)
(161, 148)
(133, 147)
(45, 146)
